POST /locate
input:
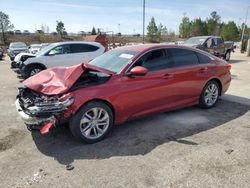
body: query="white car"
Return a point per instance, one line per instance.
(60, 54)
(34, 48)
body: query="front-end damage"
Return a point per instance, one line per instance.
(48, 98)
(40, 111)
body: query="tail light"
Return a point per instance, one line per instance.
(229, 66)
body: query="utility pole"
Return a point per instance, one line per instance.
(244, 27)
(143, 31)
(119, 29)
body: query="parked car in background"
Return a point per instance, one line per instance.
(16, 48)
(34, 48)
(24, 56)
(122, 84)
(26, 32)
(1, 53)
(17, 32)
(59, 54)
(212, 44)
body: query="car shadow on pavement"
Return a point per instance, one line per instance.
(233, 61)
(139, 137)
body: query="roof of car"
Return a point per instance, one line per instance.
(142, 48)
(77, 42)
(209, 36)
(145, 47)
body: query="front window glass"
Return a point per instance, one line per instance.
(45, 49)
(114, 60)
(154, 60)
(64, 49)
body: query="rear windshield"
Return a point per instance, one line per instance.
(18, 45)
(195, 40)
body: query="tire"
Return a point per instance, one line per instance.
(227, 56)
(210, 95)
(84, 124)
(33, 69)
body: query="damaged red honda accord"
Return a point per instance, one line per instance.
(122, 84)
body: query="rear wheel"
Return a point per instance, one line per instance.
(227, 55)
(92, 122)
(209, 95)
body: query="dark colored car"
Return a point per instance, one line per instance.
(122, 84)
(16, 48)
(212, 44)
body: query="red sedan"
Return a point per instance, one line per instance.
(122, 84)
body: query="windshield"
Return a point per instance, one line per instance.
(18, 45)
(45, 49)
(195, 40)
(114, 60)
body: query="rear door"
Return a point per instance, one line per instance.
(187, 75)
(220, 46)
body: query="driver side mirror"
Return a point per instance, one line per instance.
(138, 71)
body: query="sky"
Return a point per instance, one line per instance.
(82, 15)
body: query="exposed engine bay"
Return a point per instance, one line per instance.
(90, 78)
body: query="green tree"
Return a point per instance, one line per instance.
(213, 24)
(185, 27)
(152, 30)
(230, 31)
(5, 26)
(246, 32)
(198, 27)
(93, 32)
(60, 27)
(164, 33)
(159, 32)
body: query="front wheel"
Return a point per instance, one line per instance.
(92, 122)
(32, 70)
(209, 95)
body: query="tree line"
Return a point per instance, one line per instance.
(157, 33)
(211, 26)
(198, 27)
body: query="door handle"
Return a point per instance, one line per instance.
(167, 76)
(204, 69)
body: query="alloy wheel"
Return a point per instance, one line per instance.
(34, 71)
(94, 123)
(211, 94)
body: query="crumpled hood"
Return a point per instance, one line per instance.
(58, 80)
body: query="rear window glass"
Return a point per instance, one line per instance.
(79, 48)
(183, 57)
(203, 59)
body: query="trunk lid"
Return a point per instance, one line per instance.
(59, 80)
